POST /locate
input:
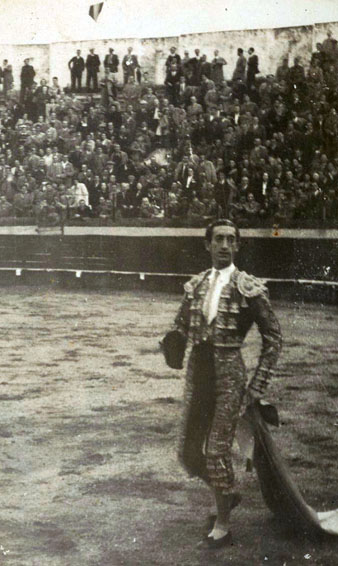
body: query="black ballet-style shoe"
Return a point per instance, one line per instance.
(211, 543)
(236, 500)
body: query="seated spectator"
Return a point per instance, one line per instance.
(79, 192)
(82, 210)
(46, 214)
(285, 210)
(251, 207)
(208, 168)
(189, 184)
(104, 209)
(210, 137)
(212, 210)
(146, 209)
(131, 92)
(196, 208)
(6, 208)
(194, 109)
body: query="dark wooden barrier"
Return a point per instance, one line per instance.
(107, 260)
(273, 257)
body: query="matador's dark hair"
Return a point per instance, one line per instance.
(221, 222)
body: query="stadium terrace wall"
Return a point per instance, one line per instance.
(163, 258)
(320, 31)
(271, 45)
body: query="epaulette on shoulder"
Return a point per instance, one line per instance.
(194, 282)
(249, 285)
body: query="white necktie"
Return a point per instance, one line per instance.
(208, 305)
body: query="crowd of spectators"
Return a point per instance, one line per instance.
(261, 150)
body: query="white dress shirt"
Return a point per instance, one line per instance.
(222, 276)
(80, 193)
(188, 181)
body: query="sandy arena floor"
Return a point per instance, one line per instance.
(89, 424)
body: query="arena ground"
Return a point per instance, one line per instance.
(89, 424)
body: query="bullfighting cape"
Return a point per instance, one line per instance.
(279, 491)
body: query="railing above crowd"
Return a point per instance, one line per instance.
(261, 150)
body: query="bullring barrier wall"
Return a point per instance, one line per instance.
(271, 46)
(162, 258)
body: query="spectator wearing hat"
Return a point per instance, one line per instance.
(172, 83)
(27, 78)
(129, 65)
(173, 58)
(111, 62)
(252, 69)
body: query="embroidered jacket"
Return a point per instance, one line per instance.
(243, 301)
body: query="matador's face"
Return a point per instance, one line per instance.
(223, 246)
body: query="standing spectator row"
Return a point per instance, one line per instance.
(259, 150)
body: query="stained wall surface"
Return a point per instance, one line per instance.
(320, 32)
(38, 54)
(271, 45)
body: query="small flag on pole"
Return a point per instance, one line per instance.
(95, 10)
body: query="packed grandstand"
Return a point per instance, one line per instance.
(261, 150)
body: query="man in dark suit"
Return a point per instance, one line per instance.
(195, 66)
(111, 61)
(27, 78)
(172, 82)
(76, 66)
(184, 91)
(262, 188)
(181, 171)
(173, 57)
(205, 67)
(297, 80)
(252, 69)
(129, 65)
(92, 65)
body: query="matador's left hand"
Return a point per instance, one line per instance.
(251, 397)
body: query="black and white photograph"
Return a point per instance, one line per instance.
(169, 283)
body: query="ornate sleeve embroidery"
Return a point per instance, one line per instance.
(269, 329)
(182, 318)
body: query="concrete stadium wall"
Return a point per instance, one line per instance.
(38, 54)
(320, 31)
(61, 53)
(271, 46)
